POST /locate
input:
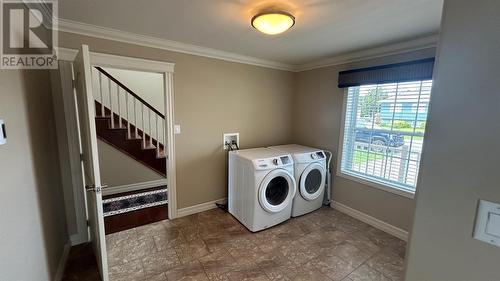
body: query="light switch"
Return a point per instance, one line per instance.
(487, 227)
(177, 129)
(493, 224)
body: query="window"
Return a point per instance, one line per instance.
(384, 132)
(422, 108)
(399, 108)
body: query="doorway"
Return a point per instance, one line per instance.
(130, 126)
(155, 136)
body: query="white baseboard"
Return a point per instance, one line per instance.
(133, 187)
(62, 262)
(199, 208)
(389, 228)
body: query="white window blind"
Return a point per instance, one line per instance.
(384, 132)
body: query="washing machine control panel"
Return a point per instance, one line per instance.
(267, 163)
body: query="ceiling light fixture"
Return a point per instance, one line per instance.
(273, 23)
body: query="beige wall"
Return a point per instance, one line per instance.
(119, 169)
(266, 107)
(147, 85)
(32, 217)
(460, 163)
(317, 122)
(213, 97)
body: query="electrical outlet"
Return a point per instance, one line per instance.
(230, 138)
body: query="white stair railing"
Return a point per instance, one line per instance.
(141, 118)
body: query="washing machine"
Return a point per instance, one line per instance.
(310, 175)
(261, 187)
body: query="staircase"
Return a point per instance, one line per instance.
(138, 138)
(134, 127)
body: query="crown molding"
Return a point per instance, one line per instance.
(164, 44)
(169, 45)
(107, 60)
(366, 54)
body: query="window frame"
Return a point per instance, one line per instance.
(366, 182)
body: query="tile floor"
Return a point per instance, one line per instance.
(324, 245)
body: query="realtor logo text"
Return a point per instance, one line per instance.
(28, 34)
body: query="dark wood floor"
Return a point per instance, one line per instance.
(81, 264)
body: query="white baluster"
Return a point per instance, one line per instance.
(135, 120)
(111, 104)
(119, 106)
(149, 128)
(164, 137)
(143, 127)
(100, 91)
(157, 137)
(127, 115)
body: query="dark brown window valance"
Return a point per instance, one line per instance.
(391, 73)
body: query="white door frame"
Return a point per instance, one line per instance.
(167, 70)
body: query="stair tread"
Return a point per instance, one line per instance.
(152, 155)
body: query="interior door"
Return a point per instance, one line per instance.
(90, 159)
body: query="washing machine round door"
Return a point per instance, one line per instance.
(312, 181)
(276, 191)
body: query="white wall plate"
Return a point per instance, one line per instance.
(487, 227)
(230, 138)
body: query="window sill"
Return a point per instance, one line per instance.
(390, 189)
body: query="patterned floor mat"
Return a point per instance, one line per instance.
(132, 202)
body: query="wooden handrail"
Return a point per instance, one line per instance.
(129, 91)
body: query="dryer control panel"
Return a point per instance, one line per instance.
(310, 157)
(272, 163)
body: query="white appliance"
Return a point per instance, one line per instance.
(261, 187)
(310, 175)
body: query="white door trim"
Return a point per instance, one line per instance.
(108, 60)
(167, 69)
(170, 137)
